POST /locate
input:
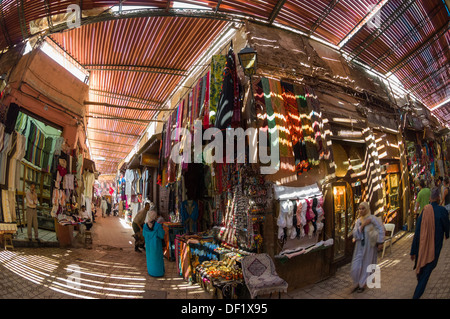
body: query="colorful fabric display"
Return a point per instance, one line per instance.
(36, 140)
(216, 78)
(229, 107)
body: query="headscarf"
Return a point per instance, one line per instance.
(151, 219)
(367, 207)
(151, 216)
(371, 230)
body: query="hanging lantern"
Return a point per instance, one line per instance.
(247, 59)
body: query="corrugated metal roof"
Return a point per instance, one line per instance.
(141, 59)
(135, 64)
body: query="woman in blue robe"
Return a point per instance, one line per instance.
(368, 234)
(154, 234)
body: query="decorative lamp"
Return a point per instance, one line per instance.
(247, 59)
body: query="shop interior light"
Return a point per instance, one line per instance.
(248, 59)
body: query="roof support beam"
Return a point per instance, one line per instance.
(432, 74)
(323, 16)
(106, 156)
(134, 68)
(125, 107)
(406, 37)
(386, 24)
(443, 86)
(107, 143)
(49, 18)
(125, 97)
(361, 23)
(101, 116)
(276, 10)
(108, 150)
(143, 13)
(97, 130)
(433, 38)
(22, 21)
(218, 5)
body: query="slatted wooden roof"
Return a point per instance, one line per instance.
(136, 59)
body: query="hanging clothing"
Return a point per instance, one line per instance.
(260, 106)
(295, 127)
(277, 121)
(216, 78)
(305, 111)
(153, 249)
(7, 145)
(206, 106)
(47, 154)
(229, 107)
(189, 215)
(89, 179)
(58, 145)
(11, 117)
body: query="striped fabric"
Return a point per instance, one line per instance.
(36, 140)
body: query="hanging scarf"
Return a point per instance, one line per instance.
(228, 108)
(216, 78)
(206, 110)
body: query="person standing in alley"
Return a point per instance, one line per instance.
(104, 206)
(138, 223)
(432, 226)
(154, 235)
(32, 222)
(368, 234)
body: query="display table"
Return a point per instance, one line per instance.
(171, 230)
(223, 282)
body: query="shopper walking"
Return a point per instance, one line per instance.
(368, 233)
(154, 235)
(32, 222)
(445, 197)
(104, 206)
(432, 226)
(423, 198)
(138, 224)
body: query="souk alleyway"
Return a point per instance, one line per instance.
(113, 270)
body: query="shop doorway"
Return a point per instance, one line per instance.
(391, 195)
(344, 217)
(347, 192)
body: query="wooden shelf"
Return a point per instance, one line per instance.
(42, 180)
